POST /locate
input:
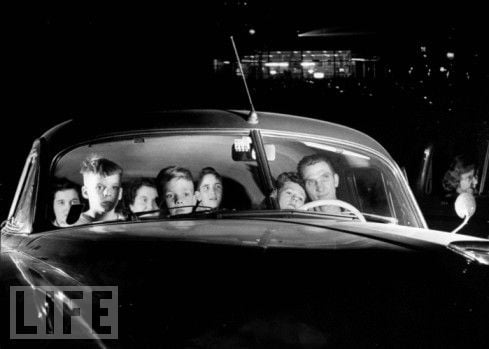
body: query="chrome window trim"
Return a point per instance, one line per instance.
(34, 152)
(31, 164)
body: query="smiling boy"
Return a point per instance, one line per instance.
(290, 191)
(209, 189)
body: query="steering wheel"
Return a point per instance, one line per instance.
(338, 203)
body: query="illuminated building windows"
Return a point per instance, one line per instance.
(303, 65)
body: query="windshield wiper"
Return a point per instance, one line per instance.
(378, 218)
(209, 212)
(287, 213)
(197, 211)
(310, 214)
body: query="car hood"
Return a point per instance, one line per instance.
(198, 279)
(73, 255)
(264, 232)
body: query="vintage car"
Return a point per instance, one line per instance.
(246, 274)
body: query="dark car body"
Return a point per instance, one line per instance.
(251, 278)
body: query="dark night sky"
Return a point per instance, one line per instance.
(123, 56)
(119, 57)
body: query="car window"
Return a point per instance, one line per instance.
(145, 156)
(365, 181)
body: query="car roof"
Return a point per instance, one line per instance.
(98, 125)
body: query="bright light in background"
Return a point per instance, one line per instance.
(277, 64)
(318, 75)
(335, 150)
(252, 31)
(450, 55)
(308, 64)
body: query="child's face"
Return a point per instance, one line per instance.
(63, 199)
(210, 191)
(103, 192)
(180, 192)
(291, 196)
(468, 182)
(145, 200)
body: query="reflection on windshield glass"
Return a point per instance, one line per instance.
(335, 150)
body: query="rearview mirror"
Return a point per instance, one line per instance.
(243, 150)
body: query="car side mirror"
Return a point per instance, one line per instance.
(465, 207)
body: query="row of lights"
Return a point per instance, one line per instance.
(450, 55)
(304, 64)
(315, 75)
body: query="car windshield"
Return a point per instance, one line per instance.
(235, 172)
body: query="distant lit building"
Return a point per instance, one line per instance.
(303, 65)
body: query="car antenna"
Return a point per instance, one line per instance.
(253, 117)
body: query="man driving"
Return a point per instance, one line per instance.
(320, 180)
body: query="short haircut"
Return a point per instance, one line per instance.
(100, 166)
(205, 171)
(288, 177)
(460, 164)
(312, 160)
(131, 188)
(167, 174)
(61, 184)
